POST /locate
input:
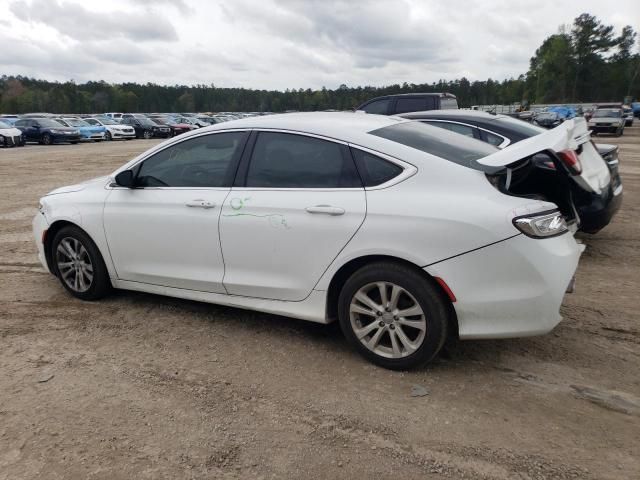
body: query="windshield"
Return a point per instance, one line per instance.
(58, 122)
(74, 122)
(106, 121)
(5, 125)
(437, 141)
(160, 120)
(520, 126)
(147, 122)
(602, 113)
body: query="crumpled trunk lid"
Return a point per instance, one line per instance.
(570, 135)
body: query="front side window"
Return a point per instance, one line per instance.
(379, 107)
(284, 160)
(206, 161)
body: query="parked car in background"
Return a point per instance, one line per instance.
(548, 119)
(88, 132)
(596, 206)
(114, 115)
(146, 128)
(627, 113)
(114, 130)
(607, 120)
(406, 234)
(635, 107)
(10, 119)
(409, 102)
(177, 128)
(564, 112)
(10, 136)
(47, 131)
(206, 119)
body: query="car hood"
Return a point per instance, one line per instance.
(605, 119)
(78, 186)
(10, 132)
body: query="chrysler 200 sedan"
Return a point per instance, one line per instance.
(403, 232)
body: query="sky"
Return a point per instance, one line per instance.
(280, 44)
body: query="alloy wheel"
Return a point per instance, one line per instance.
(74, 264)
(387, 320)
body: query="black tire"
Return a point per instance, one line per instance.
(100, 284)
(47, 139)
(108, 136)
(147, 134)
(73, 143)
(428, 296)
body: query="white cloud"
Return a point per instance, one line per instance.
(284, 43)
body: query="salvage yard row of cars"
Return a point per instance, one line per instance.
(48, 129)
(407, 229)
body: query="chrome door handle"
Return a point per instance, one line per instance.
(199, 203)
(326, 209)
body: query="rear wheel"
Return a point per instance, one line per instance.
(79, 265)
(393, 315)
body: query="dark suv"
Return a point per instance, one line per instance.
(409, 102)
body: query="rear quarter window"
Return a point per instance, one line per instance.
(373, 169)
(448, 103)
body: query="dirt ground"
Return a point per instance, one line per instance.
(142, 386)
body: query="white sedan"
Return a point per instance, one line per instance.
(115, 130)
(404, 233)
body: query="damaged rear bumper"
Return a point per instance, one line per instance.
(512, 288)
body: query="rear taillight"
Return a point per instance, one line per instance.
(541, 225)
(571, 160)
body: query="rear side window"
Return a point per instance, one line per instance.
(416, 104)
(284, 160)
(373, 169)
(437, 141)
(379, 107)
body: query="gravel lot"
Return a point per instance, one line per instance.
(141, 386)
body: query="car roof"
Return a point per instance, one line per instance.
(346, 126)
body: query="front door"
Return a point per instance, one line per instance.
(165, 231)
(299, 202)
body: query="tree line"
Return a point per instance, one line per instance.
(583, 62)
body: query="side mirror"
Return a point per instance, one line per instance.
(125, 179)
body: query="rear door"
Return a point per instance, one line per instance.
(297, 203)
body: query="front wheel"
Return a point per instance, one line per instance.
(393, 315)
(108, 137)
(79, 265)
(47, 139)
(147, 134)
